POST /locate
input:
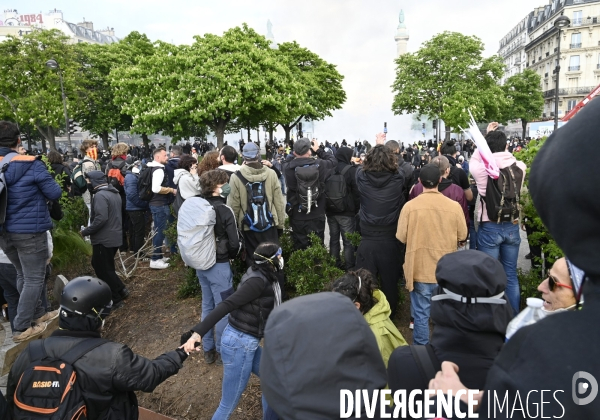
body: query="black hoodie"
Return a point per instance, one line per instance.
(315, 346)
(470, 335)
(344, 158)
(106, 218)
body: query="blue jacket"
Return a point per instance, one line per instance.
(133, 202)
(29, 185)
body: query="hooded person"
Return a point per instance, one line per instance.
(109, 372)
(470, 316)
(105, 233)
(326, 330)
(341, 217)
(556, 353)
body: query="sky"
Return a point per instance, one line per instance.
(355, 35)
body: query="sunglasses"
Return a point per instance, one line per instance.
(553, 283)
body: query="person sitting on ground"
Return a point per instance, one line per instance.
(315, 346)
(248, 308)
(186, 177)
(469, 334)
(361, 287)
(108, 374)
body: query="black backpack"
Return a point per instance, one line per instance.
(502, 195)
(426, 360)
(145, 184)
(48, 387)
(336, 191)
(308, 186)
(258, 217)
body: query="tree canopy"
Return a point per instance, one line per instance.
(524, 92)
(446, 78)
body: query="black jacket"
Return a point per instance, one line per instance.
(326, 162)
(381, 199)
(108, 374)
(352, 202)
(106, 218)
(226, 232)
(249, 307)
(62, 175)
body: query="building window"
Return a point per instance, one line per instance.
(574, 63)
(577, 18)
(576, 40)
(571, 104)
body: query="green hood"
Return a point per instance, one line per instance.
(254, 175)
(381, 311)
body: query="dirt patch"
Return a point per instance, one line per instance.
(151, 323)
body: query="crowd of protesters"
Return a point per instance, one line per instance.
(417, 208)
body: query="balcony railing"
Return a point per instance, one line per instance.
(575, 45)
(569, 91)
(576, 22)
(574, 68)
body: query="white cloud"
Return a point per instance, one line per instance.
(356, 35)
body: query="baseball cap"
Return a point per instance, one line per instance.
(430, 175)
(302, 146)
(250, 151)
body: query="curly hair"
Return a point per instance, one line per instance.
(210, 179)
(119, 149)
(54, 157)
(209, 162)
(348, 285)
(186, 162)
(380, 159)
(86, 144)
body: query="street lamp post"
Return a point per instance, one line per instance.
(560, 22)
(52, 64)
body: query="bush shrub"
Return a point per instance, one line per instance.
(311, 269)
(189, 287)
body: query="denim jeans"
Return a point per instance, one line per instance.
(214, 282)
(282, 182)
(420, 303)
(160, 216)
(341, 224)
(8, 282)
(241, 357)
(501, 241)
(28, 252)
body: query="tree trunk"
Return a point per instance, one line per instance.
(145, 139)
(104, 137)
(44, 149)
(47, 134)
(219, 129)
(270, 134)
(524, 125)
(287, 129)
(248, 129)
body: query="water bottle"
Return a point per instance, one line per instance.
(530, 315)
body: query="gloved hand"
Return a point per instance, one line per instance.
(182, 354)
(185, 337)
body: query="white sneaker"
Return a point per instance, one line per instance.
(166, 259)
(158, 264)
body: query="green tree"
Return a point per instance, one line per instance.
(33, 88)
(526, 99)
(446, 78)
(214, 82)
(321, 84)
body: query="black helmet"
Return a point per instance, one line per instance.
(86, 296)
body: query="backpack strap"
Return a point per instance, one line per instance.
(426, 361)
(241, 177)
(81, 349)
(346, 169)
(37, 350)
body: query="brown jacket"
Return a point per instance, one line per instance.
(431, 226)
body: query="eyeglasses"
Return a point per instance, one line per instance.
(553, 283)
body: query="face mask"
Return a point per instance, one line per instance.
(225, 190)
(90, 188)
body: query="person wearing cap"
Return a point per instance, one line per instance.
(249, 308)
(556, 354)
(253, 170)
(108, 374)
(431, 226)
(470, 315)
(303, 222)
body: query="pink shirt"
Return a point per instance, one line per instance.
(503, 160)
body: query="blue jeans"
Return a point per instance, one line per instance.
(501, 241)
(472, 235)
(214, 282)
(282, 182)
(8, 282)
(420, 303)
(28, 252)
(341, 225)
(160, 216)
(241, 357)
